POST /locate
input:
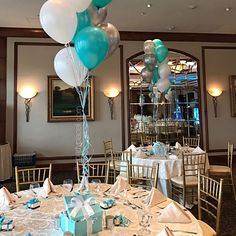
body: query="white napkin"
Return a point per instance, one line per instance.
(165, 232)
(173, 213)
(155, 197)
(48, 186)
(140, 154)
(5, 197)
(177, 145)
(120, 185)
(131, 147)
(198, 150)
(173, 157)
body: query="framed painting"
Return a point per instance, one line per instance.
(232, 90)
(64, 103)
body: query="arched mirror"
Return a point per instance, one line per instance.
(167, 116)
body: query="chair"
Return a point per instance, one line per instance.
(108, 149)
(148, 139)
(225, 171)
(191, 142)
(31, 175)
(187, 183)
(209, 202)
(96, 171)
(143, 176)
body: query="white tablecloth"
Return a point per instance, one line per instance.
(41, 221)
(5, 162)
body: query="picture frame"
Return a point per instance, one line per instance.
(64, 103)
(232, 91)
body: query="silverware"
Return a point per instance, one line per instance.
(141, 191)
(18, 196)
(107, 190)
(33, 192)
(140, 196)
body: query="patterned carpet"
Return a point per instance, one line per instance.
(228, 219)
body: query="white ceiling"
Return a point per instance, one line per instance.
(208, 17)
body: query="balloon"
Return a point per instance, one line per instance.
(155, 76)
(113, 37)
(146, 75)
(157, 42)
(149, 61)
(161, 53)
(84, 20)
(71, 71)
(79, 5)
(58, 20)
(91, 45)
(149, 47)
(163, 84)
(164, 70)
(98, 15)
(101, 3)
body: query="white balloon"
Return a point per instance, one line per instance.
(164, 70)
(70, 70)
(163, 84)
(79, 5)
(58, 20)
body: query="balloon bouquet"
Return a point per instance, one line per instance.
(156, 69)
(79, 22)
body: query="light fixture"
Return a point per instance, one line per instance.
(228, 9)
(27, 93)
(215, 93)
(149, 5)
(111, 94)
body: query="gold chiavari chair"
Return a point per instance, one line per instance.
(191, 142)
(209, 202)
(187, 183)
(143, 176)
(108, 149)
(148, 139)
(96, 171)
(26, 176)
(226, 172)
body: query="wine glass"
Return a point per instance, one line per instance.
(34, 188)
(68, 184)
(96, 185)
(144, 217)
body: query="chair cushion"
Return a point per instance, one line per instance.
(190, 181)
(206, 229)
(219, 169)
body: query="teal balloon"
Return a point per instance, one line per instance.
(161, 53)
(157, 42)
(83, 21)
(101, 3)
(91, 45)
(167, 91)
(155, 76)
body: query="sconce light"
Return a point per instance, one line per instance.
(27, 93)
(215, 93)
(111, 94)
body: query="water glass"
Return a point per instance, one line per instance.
(96, 185)
(34, 188)
(144, 217)
(68, 184)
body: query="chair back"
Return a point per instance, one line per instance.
(148, 139)
(143, 176)
(108, 149)
(31, 175)
(191, 142)
(230, 155)
(96, 171)
(210, 198)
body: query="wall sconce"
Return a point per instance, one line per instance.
(27, 93)
(215, 93)
(111, 94)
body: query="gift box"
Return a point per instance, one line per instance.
(82, 216)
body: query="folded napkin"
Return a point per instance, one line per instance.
(198, 150)
(177, 145)
(120, 185)
(140, 154)
(165, 232)
(155, 197)
(48, 186)
(5, 197)
(173, 213)
(131, 147)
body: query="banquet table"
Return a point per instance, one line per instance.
(169, 167)
(44, 220)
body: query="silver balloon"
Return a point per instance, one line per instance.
(150, 61)
(146, 75)
(98, 15)
(149, 47)
(113, 36)
(163, 84)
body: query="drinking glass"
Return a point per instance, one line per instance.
(96, 185)
(34, 188)
(144, 217)
(68, 184)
